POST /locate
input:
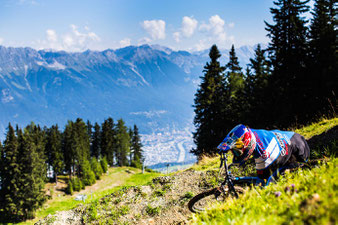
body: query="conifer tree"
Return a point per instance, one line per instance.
(82, 147)
(90, 136)
(69, 149)
(234, 94)
(96, 141)
(209, 106)
(33, 171)
(76, 149)
(131, 152)
(323, 58)
(108, 148)
(96, 168)
(136, 148)
(288, 54)
(104, 164)
(122, 143)
(256, 89)
(53, 150)
(11, 174)
(235, 77)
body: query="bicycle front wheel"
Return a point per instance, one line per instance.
(200, 202)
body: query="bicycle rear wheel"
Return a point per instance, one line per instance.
(200, 202)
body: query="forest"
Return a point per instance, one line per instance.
(291, 83)
(32, 156)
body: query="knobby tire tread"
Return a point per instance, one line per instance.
(207, 193)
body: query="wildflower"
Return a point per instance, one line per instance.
(316, 197)
(277, 194)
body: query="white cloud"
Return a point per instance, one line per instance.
(201, 45)
(144, 40)
(177, 36)
(94, 36)
(51, 35)
(125, 42)
(215, 27)
(68, 41)
(231, 25)
(155, 28)
(189, 25)
(150, 114)
(1, 40)
(73, 40)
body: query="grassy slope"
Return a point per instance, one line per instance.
(308, 197)
(116, 179)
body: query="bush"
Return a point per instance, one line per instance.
(96, 168)
(69, 189)
(77, 184)
(89, 178)
(104, 164)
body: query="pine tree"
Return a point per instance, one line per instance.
(136, 148)
(53, 150)
(108, 148)
(288, 54)
(90, 135)
(209, 106)
(82, 147)
(235, 77)
(96, 143)
(104, 164)
(11, 174)
(76, 148)
(122, 143)
(235, 102)
(256, 84)
(69, 149)
(96, 168)
(322, 79)
(33, 171)
(131, 151)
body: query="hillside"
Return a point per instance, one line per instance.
(301, 197)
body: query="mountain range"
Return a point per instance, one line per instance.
(150, 86)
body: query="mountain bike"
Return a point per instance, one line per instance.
(231, 186)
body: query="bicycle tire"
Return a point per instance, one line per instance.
(199, 203)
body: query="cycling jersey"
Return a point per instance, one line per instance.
(270, 145)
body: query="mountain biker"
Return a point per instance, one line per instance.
(272, 149)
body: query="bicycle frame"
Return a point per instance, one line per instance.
(230, 180)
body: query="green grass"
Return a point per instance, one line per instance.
(207, 163)
(116, 179)
(317, 128)
(304, 197)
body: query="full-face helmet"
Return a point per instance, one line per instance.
(241, 142)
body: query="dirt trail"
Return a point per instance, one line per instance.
(164, 201)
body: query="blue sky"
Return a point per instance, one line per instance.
(77, 25)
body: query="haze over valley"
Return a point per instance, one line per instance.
(149, 85)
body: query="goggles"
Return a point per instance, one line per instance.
(228, 142)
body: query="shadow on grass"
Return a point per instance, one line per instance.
(324, 144)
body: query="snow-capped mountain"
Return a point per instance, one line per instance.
(151, 86)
